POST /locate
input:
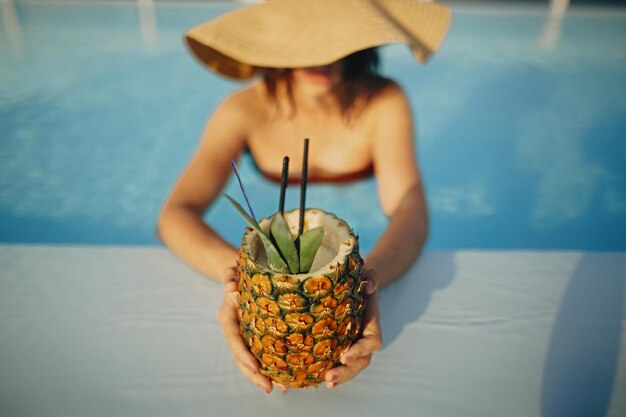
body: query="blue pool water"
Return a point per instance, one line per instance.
(520, 123)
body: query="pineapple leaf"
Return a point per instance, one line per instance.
(309, 244)
(274, 260)
(243, 213)
(284, 240)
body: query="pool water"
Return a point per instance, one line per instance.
(520, 127)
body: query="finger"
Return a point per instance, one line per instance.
(231, 290)
(371, 337)
(244, 360)
(363, 347)
(230, 326)
(370, 318)
(241, 354)
(372, 280)
(281, 387)
(344, 373)
(259, 380)
(371, 286)
(231, 284)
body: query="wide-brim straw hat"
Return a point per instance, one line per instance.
(310, 33)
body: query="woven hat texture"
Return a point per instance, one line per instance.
(308, 33)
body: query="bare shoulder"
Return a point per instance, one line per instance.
(230, 125)
(388, 105)
(243, 106)
(389, 97)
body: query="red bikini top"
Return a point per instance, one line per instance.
(362, 174)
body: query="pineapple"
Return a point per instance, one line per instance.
(298, 325)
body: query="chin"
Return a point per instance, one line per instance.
(314, 79)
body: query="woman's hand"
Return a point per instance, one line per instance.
(245, 361)
(353, 360)
(359, 355)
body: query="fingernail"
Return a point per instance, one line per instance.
(227, 281)
(252, 368)
(346, 359)
(333, 378)
(231, 279)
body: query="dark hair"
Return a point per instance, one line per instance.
(360, 81)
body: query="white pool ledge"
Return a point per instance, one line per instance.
(131, 331)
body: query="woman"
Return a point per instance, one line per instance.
(313, 84)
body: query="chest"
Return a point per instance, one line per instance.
(335, 147)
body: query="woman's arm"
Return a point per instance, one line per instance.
(399, 188)
(402, 242)
(182, 229)
(401, 194)
(180, 224)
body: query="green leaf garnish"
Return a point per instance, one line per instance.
(309, 244)
(274, 260)
(284, 240)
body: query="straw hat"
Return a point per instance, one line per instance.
(308, 33)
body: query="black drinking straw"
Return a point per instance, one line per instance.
(283, 184)
(305, 173)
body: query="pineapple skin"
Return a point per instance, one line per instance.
(298, 328)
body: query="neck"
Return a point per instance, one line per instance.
(309, 98)
(315, 101)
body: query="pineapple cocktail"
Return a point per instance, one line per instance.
(301, 289)
(298, 324)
